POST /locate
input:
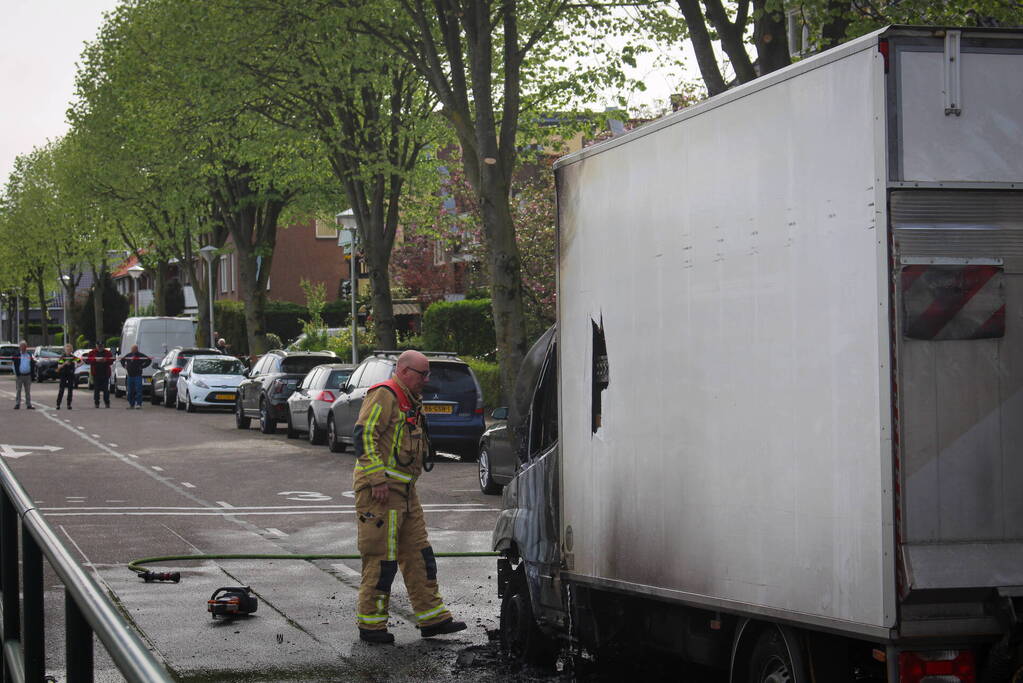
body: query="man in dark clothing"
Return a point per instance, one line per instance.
(134, 362)
(24, 370)
(66, 375)
(100, 360)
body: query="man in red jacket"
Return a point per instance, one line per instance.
(100, 361)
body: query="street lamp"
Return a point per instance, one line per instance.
(209, 252)
(346, 221)
(136, 272)
(64, 280)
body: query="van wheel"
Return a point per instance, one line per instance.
(772, 662)
(521, 638)
(316, 435)
(333, 441)
(240, 421)
(487, 483)
(267, 425)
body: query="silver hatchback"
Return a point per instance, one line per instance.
(309, 405)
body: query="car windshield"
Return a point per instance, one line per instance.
(217, 366)
(300, 365)
(47, 353)
(338, 378)
(449, 378)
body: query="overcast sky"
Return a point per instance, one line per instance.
(40, 41)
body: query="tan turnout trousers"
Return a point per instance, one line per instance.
(392, 536)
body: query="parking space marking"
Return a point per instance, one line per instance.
(275, 532)
(188, 485)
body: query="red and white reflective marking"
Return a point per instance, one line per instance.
(960, 301)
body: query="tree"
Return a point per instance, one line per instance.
(488, 62)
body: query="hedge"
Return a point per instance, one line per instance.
(489, 377)
(465, 327)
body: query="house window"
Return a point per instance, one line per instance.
(325, 230)
(222, 273)
(234, 272)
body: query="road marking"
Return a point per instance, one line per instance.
(345, 569)
(11, 451)
(214, 512)
(81, 427)
(304, 495)
(224, 504)
(132, 455)
(95, 436)
(465, 490)
(113, 445)
(427, 506)
(348, 494)
(115, 501)
(158, 469)
(188, 485)
(275, 532)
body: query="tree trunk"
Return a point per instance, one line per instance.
(97, 305)
(383, 305)
(731, 35)
(24, 314)
(770, 36)
(700, 38)
(252, 275)
(44, 309)
(159, 285)
(69, 311)
(834, 29)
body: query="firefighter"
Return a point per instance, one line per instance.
(390, 447)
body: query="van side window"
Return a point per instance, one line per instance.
(543, 432)
(600, 374)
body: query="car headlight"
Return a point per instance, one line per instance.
(199, 383)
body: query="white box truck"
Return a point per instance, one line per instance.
(778, 428)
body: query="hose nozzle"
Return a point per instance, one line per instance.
(149, 576)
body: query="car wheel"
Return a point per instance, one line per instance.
(267, 425)
(152, 397)
(168, 400)
(316, 435)
(189, 406)
(487, 483)
(177, 403)
(521, 638)
(333, 440)
(291, 431)
(240, 421)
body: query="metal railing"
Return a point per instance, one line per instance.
(88, 609)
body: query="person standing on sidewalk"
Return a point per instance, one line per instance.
(66, 375)
(135, 362)
(390, 447)
(24, 370)
(100, 360)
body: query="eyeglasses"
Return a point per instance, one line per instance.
(425, 374)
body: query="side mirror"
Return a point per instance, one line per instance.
(500, 413)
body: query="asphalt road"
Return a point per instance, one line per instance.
(118, 485)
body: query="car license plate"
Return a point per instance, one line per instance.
(224, 397)
(147, 380)
(441, 410)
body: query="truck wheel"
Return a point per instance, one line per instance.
(487, 483)
(772, 661)
(521, 638)
(240, 421)
(333, 440)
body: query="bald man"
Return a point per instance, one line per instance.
(390, 447)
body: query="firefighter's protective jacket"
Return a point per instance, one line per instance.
(390, 444)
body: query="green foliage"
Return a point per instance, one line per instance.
(316, 339)
(341, 344)
(229, 318)
(273, 342)
(315, 301)
(465, 327)
(112, 342)
(81, 341)
(174, 297)
(58, 339)
(489, 376)
(116, 309)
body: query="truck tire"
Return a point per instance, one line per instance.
(521, 638)
(773, 661)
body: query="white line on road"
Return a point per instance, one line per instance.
(275, 532)
(224, 504)
(158, 469)
(116, 501)
(81, 427)
(214, 512)
(426, 506)
(345, 569)
(95, 436)
(188, 484)
(130, 455)
(113, 445)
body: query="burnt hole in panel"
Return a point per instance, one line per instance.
(600, 373)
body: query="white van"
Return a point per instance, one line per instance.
(155, 336)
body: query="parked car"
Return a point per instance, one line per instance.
(46, 362)
(155, 336)
(452, 403)
(82, 374)
(309, 405)
(164, 381)
(498, 455)
(8, 352)
(264, 393)
(209, 380)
